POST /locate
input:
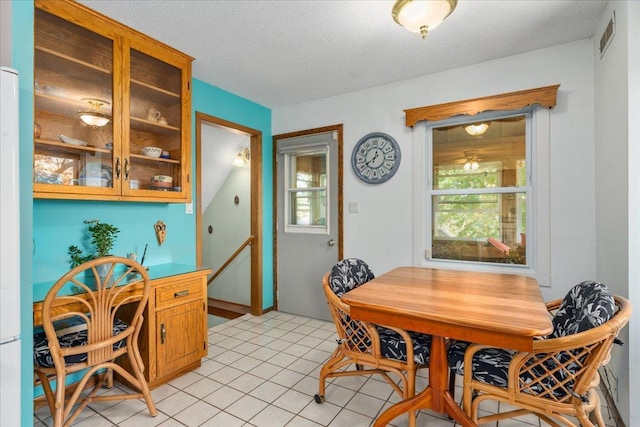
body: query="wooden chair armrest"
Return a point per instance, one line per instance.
(553, 304)
(369, 329)
(471, 350)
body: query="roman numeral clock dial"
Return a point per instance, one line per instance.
(375, 158)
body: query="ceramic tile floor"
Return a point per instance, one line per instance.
(263, 372)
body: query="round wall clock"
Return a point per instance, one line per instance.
(375, 158)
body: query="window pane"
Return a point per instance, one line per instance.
(494, 158)
(308, 207)
(309, 170)
(480, 227)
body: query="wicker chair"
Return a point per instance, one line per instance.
(559, 378)
(106, 298)
(372, 348)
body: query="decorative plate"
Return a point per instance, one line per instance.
(72, 141)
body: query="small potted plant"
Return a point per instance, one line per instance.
(103, 237)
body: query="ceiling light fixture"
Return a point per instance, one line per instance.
(476, 128)
(93, 116)
(472, 161)
(422, 16)
(242, 158)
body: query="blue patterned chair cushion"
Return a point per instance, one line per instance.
(490, 365)
(586, 305)
(348, 274)
(393, 346)
(71, 335)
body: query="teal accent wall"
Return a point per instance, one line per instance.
(48, 227)
(219, 103)
(60, 223)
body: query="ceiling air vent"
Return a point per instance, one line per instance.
(608, 34)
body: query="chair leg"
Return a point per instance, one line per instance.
(48, 392)
(58, 414)
(452, 383)
(452, 387)
(328, 367)
(135, 360)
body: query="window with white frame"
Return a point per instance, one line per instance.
(478, 186)
(306, 189)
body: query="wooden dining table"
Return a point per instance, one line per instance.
(502, 310)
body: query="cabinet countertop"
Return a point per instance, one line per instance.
(158, 271)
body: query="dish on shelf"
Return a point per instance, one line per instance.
(152, 151)
(162, 181)
(160, 188)
(162, 178)
(162, 184)
(72, 141)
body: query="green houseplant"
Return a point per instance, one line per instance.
(103, 237)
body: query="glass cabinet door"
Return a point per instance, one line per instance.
(73, 94)
(155, 162)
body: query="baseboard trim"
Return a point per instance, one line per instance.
(226, 309)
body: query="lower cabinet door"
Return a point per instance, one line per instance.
(179, 336)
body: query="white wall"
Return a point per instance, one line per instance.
(382, 232)
(219, 147)
(633, 344)
(617, 182)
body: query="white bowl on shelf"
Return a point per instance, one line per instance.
(152, 151)
(161, 181)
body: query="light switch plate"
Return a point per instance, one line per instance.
(188, 208)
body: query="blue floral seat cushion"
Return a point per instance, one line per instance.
(490, 365)
(70, 335)
(348, 274)
(586, 305)
(393, 346)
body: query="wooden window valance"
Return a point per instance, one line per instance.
(545, 96)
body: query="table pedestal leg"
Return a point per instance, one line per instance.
(436, 396)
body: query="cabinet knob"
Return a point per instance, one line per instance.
(163, 333)
(181, 293)
(118, 167)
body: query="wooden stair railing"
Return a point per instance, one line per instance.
(246, 243)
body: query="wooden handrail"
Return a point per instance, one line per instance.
(231, 258)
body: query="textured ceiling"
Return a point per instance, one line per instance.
(285, 52)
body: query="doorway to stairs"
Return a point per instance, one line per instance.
(228, 214)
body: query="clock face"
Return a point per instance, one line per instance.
(375, 158)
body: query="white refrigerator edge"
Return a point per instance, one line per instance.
(10, 406)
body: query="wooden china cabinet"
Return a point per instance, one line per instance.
(135, 93)
(88, 64)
